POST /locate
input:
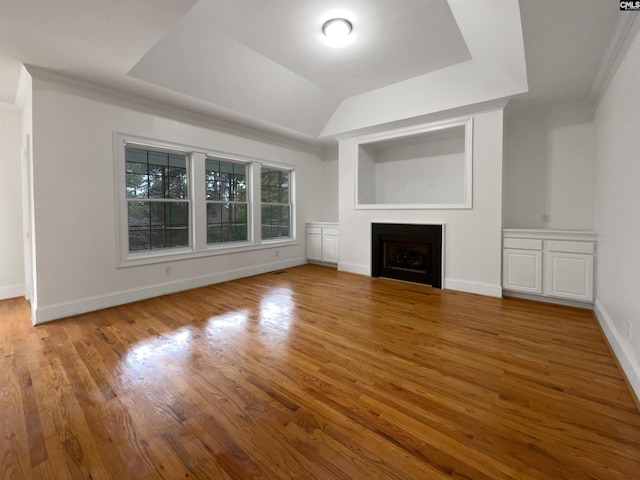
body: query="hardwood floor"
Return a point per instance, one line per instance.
(316, 374)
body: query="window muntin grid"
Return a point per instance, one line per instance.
(153, 230)
(227, 203)
(276, 203)
(157, 199)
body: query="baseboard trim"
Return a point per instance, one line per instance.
(48, 313)
(620, 349)
(354, 268)
(555, 301)
(323, 264)
(11, 291)
(480, 288)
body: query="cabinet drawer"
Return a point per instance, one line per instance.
(570, 247)
(314, 230)
(330, 231)
(523, 243)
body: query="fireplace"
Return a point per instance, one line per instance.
(407, 252)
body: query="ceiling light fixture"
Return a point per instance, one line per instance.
(337, 32)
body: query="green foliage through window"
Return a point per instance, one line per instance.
(158, 199)
(276, 204)
(227, 207)
(162, 212)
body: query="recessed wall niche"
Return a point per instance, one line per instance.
(426, 166)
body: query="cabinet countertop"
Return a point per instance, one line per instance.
(551, 234)
(322, 224)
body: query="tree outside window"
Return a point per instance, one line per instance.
(276, 203)
(227, 207)
(157, 199)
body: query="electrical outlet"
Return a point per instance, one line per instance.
(546, 218)
(167, 270)
(277, 253)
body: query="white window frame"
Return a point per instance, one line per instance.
(198, 246)
(292, 212)
(248, 201)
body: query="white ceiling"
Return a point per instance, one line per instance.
(392, 44)
(261, 63)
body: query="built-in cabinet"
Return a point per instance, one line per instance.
(322, 242)
(549, 263)
(522, 265)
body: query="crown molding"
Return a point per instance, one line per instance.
(182, 107)
(623, 34)
(24, 82)
(445, 115)
(8, 106)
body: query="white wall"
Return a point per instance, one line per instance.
(617, 220)
(549, 168)
(366, 191)
(431, 172)
(473, 237)
(572, 154)
(73, 178)
(11, 270)
(525, 170)
(324, 191)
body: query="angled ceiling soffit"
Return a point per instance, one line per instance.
(493, 34)
(229, 74)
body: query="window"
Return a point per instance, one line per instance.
(227, 206)
(176, 202)
(276, 204)
(157, 199)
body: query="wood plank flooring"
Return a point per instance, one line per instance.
(310, 373)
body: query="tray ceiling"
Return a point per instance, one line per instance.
(261, 64)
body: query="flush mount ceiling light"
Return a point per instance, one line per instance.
(337, 32)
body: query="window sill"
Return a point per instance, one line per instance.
(135, 260)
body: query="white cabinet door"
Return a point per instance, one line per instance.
(322, 242)
(330, 248)
(522, 270)
(569, 275)
(314, 246)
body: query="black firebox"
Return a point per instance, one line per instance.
(407, 252)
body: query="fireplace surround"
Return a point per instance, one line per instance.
(409, 252)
